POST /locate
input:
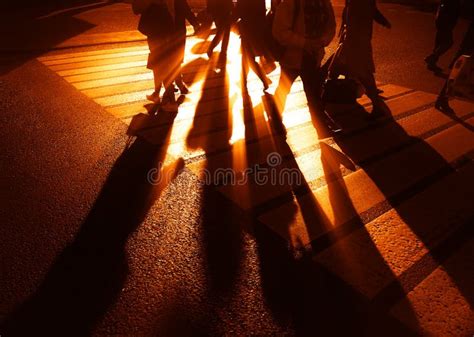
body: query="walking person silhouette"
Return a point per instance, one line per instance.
(446, 19)
(466, 48)
(163, 22)
(182, 13)
(252, 14)
(356, 58)
(157, 23)
(303, 28)
(221, 12)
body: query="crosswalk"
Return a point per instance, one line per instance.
(387, 205)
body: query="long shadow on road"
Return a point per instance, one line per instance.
(402, 166)
(301, 293)
(88, 276)
(222, 235)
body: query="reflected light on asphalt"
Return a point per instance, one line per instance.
(187, 110)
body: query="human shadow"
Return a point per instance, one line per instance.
(357, 257)
(452, 115)
(301, 291)
(88, 276)
(27, 34)
(402, 167)
(211, 132)
(194, 70)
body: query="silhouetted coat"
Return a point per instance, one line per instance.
(252, 19)
(293, 37)
(167, 49)
(356, 52)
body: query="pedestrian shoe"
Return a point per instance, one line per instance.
(379, 109)
(154, 97)
(377, 112)
(430, 61)
(442, 104)
(268, 66)
(183, 89)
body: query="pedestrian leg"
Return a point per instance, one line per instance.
(287, 77)
(222, 34)
(217, 38)
(158, 80)
(248, 61)
(379, 108)
(311, 78)
(183, 89)
(443, 41)
(225, 36)
(442, 101)
(467, 44)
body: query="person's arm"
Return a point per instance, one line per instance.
(381, 19)
(283, 30)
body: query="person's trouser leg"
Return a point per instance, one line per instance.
(171, 66)
(225, 35)
(248, 61)
(311, 78)
(369, 84)
(245, 67)
(215, 41)
(379, 107)
(443, 41)
(467, 44)
(442, 101)
(157, 79)
(153, 63)
(222, 34)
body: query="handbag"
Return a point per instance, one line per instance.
(338, 90)
(341, 91)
